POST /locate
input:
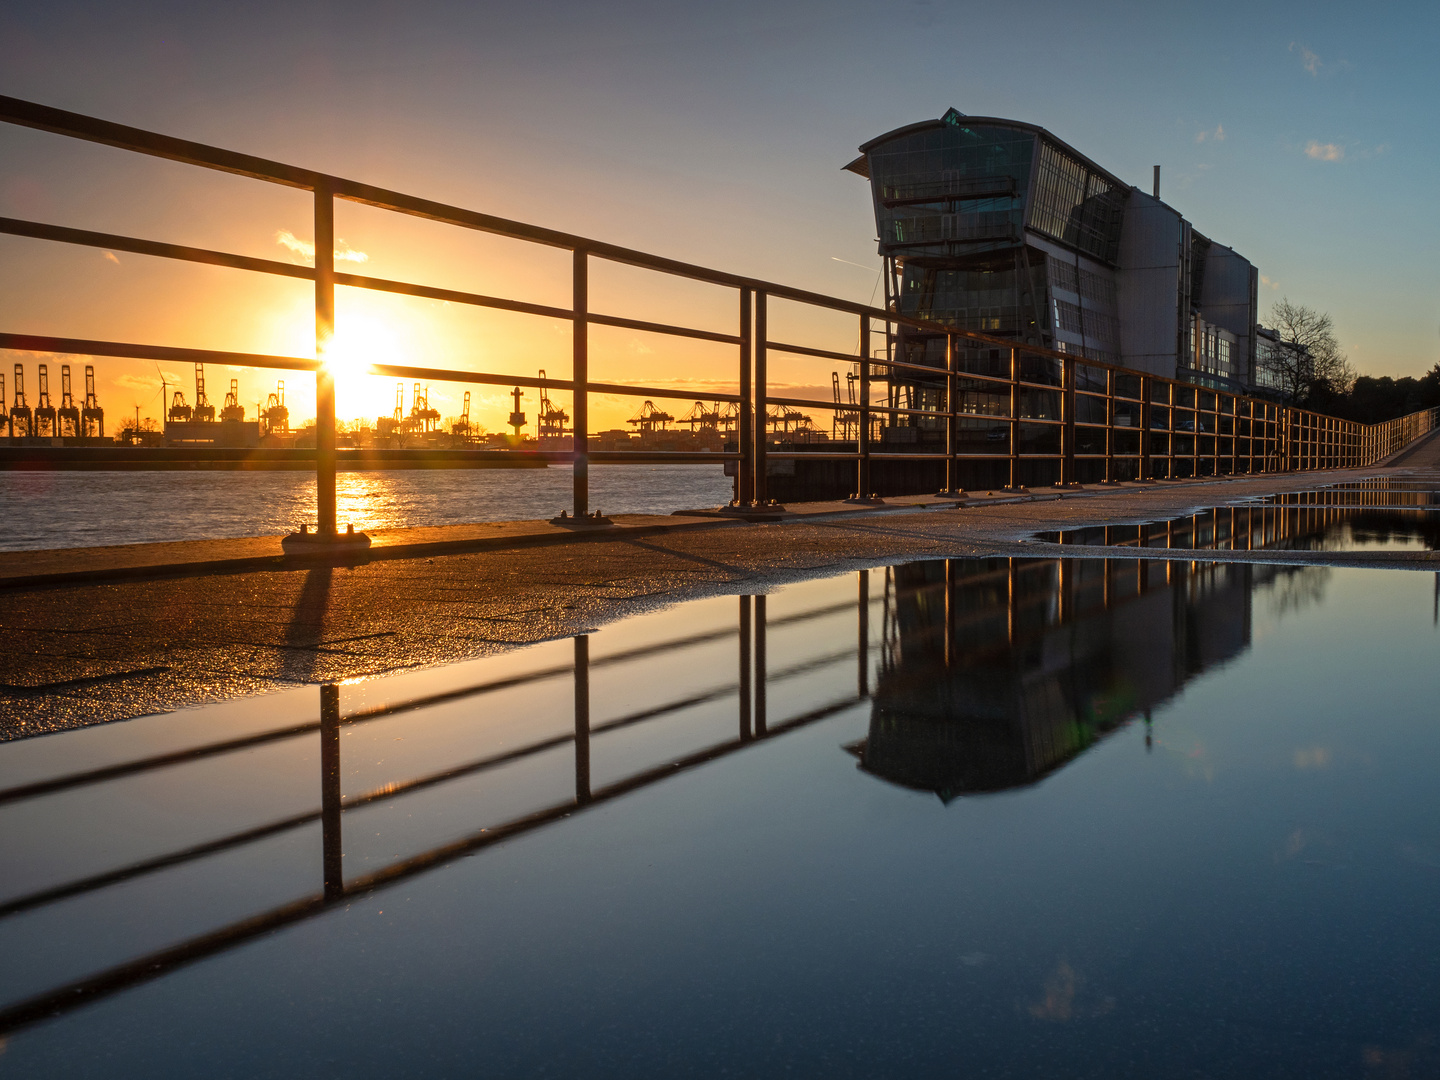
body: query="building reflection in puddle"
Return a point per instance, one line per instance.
(987, 674)
(995, 673)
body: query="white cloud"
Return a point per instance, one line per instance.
(1268, 283)
(285, 238)
(1218, 135)
(109, 256)
(1311, 62)
(1324, 151)
(306, 250)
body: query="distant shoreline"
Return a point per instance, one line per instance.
(164, 458)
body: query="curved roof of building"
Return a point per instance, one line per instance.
(862, 167)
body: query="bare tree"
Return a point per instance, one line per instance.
(1309, 354)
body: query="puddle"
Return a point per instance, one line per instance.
(1292, 523)
(1047, 817)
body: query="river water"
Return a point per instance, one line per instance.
(85, 509)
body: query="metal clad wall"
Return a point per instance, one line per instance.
(1148, 284)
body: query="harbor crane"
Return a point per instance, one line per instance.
(20, 413)
(232, 409)
(179, 411)
(203, 409)
(550, 420)
(461, 428)
(44, 419)
(90, 412)
(422, 417)
(702, 417)
(785, 419)
(650, 419)
(275, 415)
(68, 415)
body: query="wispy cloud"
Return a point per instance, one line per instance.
(1268, 283)
(1324, 151)
(1311, 62)
(109, 256)
(306, 250)
(1218, 135)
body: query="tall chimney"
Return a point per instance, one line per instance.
(1157, 181)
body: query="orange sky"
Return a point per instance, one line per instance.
(84, 292)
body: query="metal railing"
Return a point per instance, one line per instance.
(1061, 419)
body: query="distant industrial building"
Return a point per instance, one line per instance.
(997, 226)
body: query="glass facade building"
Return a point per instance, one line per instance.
(998, 227)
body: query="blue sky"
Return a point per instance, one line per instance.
(1301, 134)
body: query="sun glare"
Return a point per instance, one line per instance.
(360, 342)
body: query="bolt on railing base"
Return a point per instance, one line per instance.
(866, 500)
(596, 520)
(957, 493)
(318, 542)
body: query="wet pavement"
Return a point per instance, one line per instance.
(87, 653)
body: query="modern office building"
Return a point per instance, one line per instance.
(997, 226)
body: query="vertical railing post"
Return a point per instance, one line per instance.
(1067, 421)
(1215, 440)
(1109, 426)
(580, 380)
(1250, 436)
(863, 489)
(745, 688)
(863, 646)
(324, 376)
(1170, 438)
(952, 420)
(762, 406)
(582, 718)
(1142, 468)
(1014, 482)
(745, 431)
(951, 578)
(330, 800)
(760, 664)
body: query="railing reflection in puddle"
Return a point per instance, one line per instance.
(1337, 525)
(989, 674)
(545, 739)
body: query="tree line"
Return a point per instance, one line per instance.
(1310, 370)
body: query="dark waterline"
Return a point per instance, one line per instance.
(988, 818)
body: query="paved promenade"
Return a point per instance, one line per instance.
(103, 634)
